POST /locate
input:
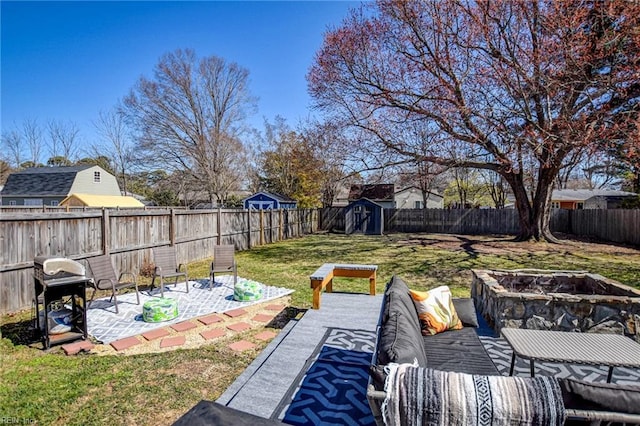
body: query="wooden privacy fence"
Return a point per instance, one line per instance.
(439, 221)
(619, 226)
(129, 235)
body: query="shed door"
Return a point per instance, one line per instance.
(261, 205)
(363, 219)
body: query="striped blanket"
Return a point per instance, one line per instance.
(422, 396)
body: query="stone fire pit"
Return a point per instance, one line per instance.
(556, 300)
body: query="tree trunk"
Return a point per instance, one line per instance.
(533, 215)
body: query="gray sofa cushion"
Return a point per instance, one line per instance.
(460, 351)
(466, 312)
(400, 338)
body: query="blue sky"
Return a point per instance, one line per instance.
(70, 60)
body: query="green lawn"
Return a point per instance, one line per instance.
(51, 388)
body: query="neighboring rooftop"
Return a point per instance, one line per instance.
(373, 192)
(585, 194)
(42, 181)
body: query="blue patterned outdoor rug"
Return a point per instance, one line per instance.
(333, 390)
(106, 326)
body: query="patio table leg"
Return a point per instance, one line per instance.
(513, 363)
(531, 367)
(610, 375)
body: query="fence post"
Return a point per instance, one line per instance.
(249, 228)
(271, 226)
(219, 226)
(172, 227)
(261, 227)
(281, 224)
(105, 231)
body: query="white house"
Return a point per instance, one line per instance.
(411, 198)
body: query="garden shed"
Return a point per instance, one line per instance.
(365, 217)
(268, 201)
(90, 200)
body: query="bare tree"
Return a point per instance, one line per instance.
(5, 171)
(23, 144)
(600, 170)
(190, 117)
(423, 174)
(63, 139)
(328, 144)
(497, 188)
(517, 85)
(32, 133)
(114, 134)
(13, 146)
(466, 187)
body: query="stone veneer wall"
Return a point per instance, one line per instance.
(617, 313)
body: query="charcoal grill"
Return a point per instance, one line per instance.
(59, 281)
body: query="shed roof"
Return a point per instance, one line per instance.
(42, 181)
(374, 192)
(279, 197)
(91, 200)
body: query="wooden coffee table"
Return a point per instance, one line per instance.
(611, 350)
(323, 277)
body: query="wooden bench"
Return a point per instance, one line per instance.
(323, 277)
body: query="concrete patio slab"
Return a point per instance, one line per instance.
(278, 365)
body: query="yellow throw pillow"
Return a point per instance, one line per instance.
(435, 310)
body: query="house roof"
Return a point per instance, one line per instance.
(409, 188)
(585, 194)
(42, 181)
(91, 200)
(363, 200)
(279, 197)
(374, 192)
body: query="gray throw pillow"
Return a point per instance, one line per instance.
(466, 312)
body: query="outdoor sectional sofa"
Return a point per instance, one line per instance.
(399, 340)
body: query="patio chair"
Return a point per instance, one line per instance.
(105, 278)
(223, 261)
(166, 266)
